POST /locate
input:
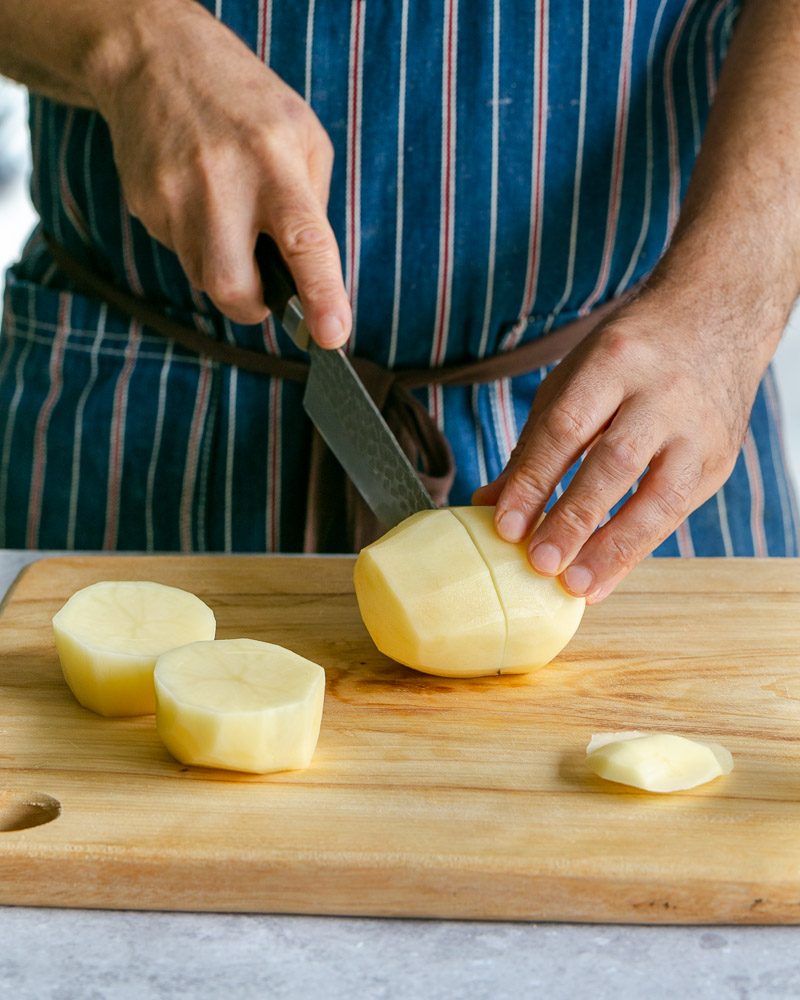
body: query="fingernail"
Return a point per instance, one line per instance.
(546, 558)
(511, 526)
(330, 331)
(578, 580)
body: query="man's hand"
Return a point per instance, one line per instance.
(653, 389)
(212, 148)
(667, 384)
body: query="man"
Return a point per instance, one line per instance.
(499, 170)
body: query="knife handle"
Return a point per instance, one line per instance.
(280, 291)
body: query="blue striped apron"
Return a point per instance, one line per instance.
(501, 168)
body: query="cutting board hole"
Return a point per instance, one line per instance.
(21, 812)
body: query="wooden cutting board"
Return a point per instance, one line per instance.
(427, 796)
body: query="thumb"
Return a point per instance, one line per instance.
(305, 239)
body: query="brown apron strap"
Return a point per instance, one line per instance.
(332, 499)
(547, 350)
(543, 351)
(193, 340)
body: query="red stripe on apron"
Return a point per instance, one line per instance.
(448, 125)
(192, 459)
(539, 133)
(756, 482)
(672, 121)
(618, 163)
(43, 421)
(274, 465)
(353, 197)
(118, 437)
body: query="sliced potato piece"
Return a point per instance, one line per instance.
(109, 635)
(239, 704)
(656, 762)
(541, 616)
(428, 600)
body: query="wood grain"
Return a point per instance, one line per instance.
(427, 796)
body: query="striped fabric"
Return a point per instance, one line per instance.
(501, 167)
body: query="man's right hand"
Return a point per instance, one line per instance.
(213, 148)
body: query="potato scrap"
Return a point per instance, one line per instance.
(656, 762)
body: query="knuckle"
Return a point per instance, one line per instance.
(227, 289)
(320, 296)
(206, 164)
(623, 550)
(527, 488)
(268, 144)
(617, 342)
(568, 424)
(576, 518)
(167, 186)
(671, 501)
(622, 457)
(303, 236)
(258, 139)
(293, 126)
(294, 110)
(668, 505)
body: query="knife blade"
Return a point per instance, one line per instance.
(341, 408)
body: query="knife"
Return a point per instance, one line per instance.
(341, 408)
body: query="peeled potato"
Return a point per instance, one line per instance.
(656, 762)
(444, 594)
(109, 635)
(239, 704)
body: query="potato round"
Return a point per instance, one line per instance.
(108, 636)
(239, 704)
(444, 594)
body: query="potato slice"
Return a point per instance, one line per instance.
(239, 704)
(109, 635)
(656, 762)
(443, 593)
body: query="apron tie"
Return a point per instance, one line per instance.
(332, 500)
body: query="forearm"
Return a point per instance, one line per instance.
(211, 147)
(71, 50)
(737, 243)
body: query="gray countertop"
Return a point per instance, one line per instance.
(105, 955)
